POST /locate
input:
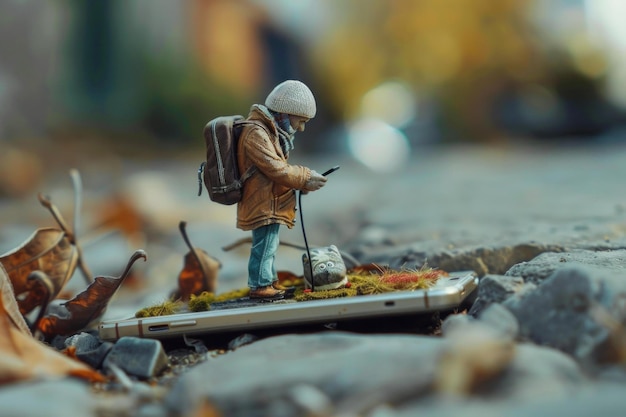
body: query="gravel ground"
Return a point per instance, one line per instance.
(468, 207)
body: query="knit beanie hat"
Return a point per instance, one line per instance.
(292, 97)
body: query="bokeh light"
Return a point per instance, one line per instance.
(392, 102)
(378, 145)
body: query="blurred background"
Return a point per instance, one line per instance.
(138, 76)
(119, 88)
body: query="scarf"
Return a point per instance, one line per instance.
(286, 133)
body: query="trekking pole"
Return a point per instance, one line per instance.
(306, 243)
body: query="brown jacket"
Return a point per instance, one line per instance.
(269, 194)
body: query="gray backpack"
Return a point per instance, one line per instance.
(220, 171)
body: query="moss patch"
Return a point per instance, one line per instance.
(377, 282)
(203, 301)
(390, 280)
(361, 283)
(300, 295)
(165, 308)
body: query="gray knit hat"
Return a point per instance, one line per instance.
(292, 97)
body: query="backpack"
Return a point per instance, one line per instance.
(220, 170)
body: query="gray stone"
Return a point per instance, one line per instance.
(495, 259)
(258, 379)
(151, 410)
(615, 373)
(454, 322)
(242, 340)
(95, 357)
(541, 267)
(51, 398)
(588, 400)
(83, 342)
(353, 374)
(563, 312)
(494, 289)
(89, 348)
(537, 373)
(143, 358)
(496, 318)
(501, 320)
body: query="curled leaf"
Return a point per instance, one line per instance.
(71, 234)
(53, 252)
(43, 288)
(21, 356)
(199, 273)
(10, 304)
(47, 250)
(88, 306)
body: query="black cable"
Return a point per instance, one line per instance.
(306, 243)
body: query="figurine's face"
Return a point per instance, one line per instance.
(298, 122)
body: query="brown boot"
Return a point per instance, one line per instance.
(267, 293)
(278, 286)
(289, 291)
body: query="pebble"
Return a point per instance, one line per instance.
(50, 398)
(574, 310)
(143, 358)
(495, 289)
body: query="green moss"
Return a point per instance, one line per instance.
(201, 302)
(166, 308)
(360, 284)
(233, 295)
(300, 295)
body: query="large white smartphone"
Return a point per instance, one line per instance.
(448, 293)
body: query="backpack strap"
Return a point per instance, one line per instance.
(253, 169)
(200, 172)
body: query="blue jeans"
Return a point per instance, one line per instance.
(261, 269)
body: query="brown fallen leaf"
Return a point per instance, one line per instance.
(22, 357)
(54, 252)
(118, 212)
(71, 234)
(78, 313)
(11, 308)
(48, 250)
(284, 276)
(199, 272)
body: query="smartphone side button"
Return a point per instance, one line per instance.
(184, 323)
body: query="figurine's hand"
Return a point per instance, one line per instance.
(316, 182)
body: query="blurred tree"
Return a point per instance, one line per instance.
(465, 53)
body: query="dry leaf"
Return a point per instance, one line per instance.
(53, 252)
(199, 272)
(47, 250)
(70, 234)
(23, 357)
(287, 276)
(10, 304)
(78, 313)
(118, 212)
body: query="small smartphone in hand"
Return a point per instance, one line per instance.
(330, 171)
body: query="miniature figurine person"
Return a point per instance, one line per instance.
(269, 195)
